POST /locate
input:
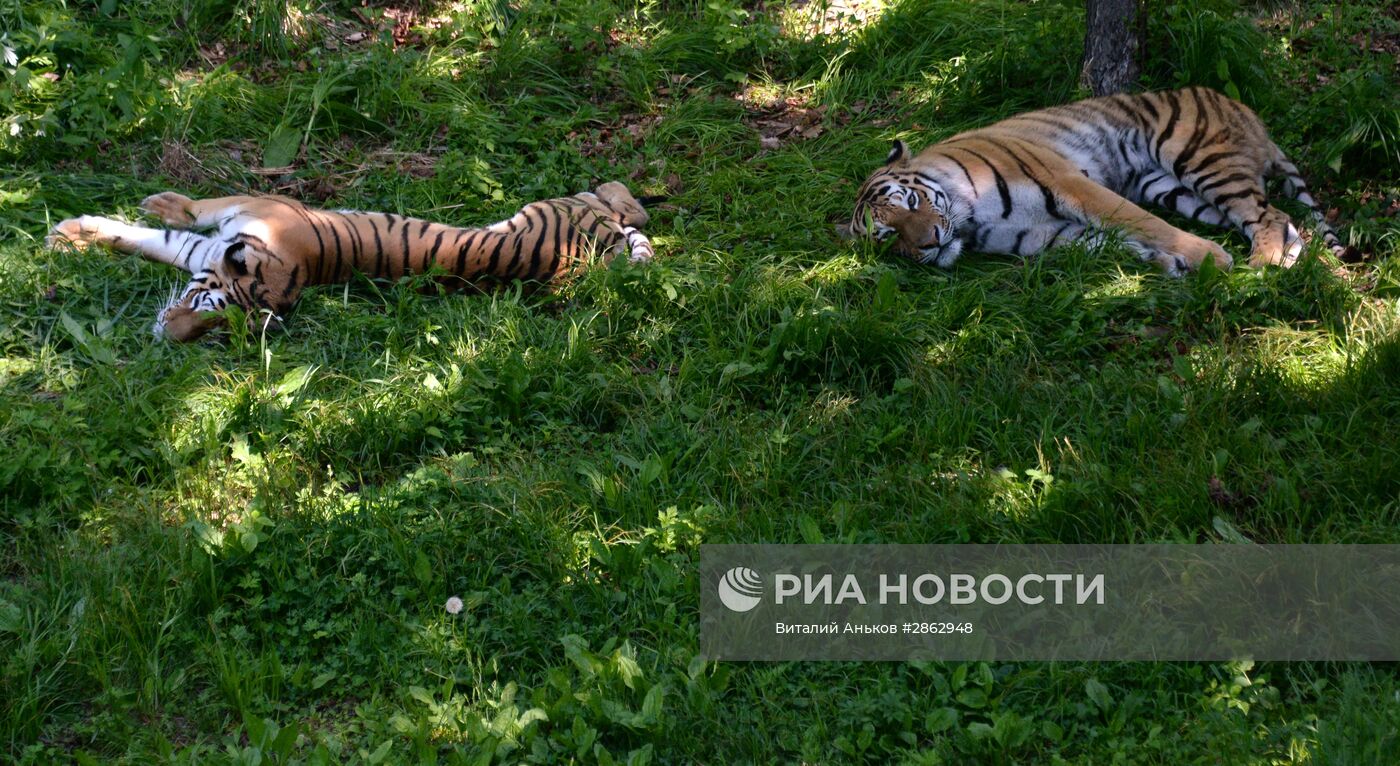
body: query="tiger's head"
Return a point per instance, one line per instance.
(618, 198)
(194, 312)
(899, 202)
(246, 275)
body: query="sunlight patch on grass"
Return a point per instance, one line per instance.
(830, 19)
(1124, 284)
(834, 271)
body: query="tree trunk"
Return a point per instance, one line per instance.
(1110, 46)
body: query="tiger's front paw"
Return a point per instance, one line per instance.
(75, 233)
(1188, 255)
(171, 208)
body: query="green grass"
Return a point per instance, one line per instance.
(240, 549)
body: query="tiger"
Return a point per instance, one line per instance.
(261, 252)
(1044, 178)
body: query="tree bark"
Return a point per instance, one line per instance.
(1110, 46)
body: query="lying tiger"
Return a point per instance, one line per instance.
(1045, 178)
(265, 250)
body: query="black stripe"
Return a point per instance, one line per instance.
(339, 250)
(1148, 182)
(593, 228)
(291, 280)
(1002, 188)
(1222, 199)
(1046, 119)
(561, 220)
(922, 176)
(301, 211)
(1170, 127)
(460, 269)
(1016, 248)
(1131, 107)
(496, 254)
(1130, 183)
(320, 243)
(1145, 101)
(1091, 118)
(1051, 206)
(966, 174)
(519, 252)
(378, 246)
(535, 258)
(1203, 188)
(183, 256)
(1198, 136)
(1209, 159)
(1168, 200)
(432, 254)
(403, 256)
(1123, 153)
(250, 239)
(358, 243)
(334, 274)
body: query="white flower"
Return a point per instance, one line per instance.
(454, 605)
(15, 129)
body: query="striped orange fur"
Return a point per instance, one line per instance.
(265, 250)
(1040, 179)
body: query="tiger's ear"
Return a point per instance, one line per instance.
(235, 259)
(898, 151)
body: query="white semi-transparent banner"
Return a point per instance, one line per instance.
(1050, 602)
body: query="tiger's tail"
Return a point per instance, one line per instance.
(1295, 188)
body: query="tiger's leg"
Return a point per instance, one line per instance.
(179, 211)
(1238, 191)
(639, 245)
(186, 250)
(1163, 190)
(1296, 188)
(1174, 250)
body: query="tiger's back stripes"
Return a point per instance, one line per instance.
(1040, 179)
(266, 250)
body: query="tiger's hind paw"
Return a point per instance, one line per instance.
(1274, 251)
(1293, 249)
(171, 208)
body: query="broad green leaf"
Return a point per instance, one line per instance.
(282, 146)
(1098, 693)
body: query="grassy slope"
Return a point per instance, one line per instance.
(197, 539)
